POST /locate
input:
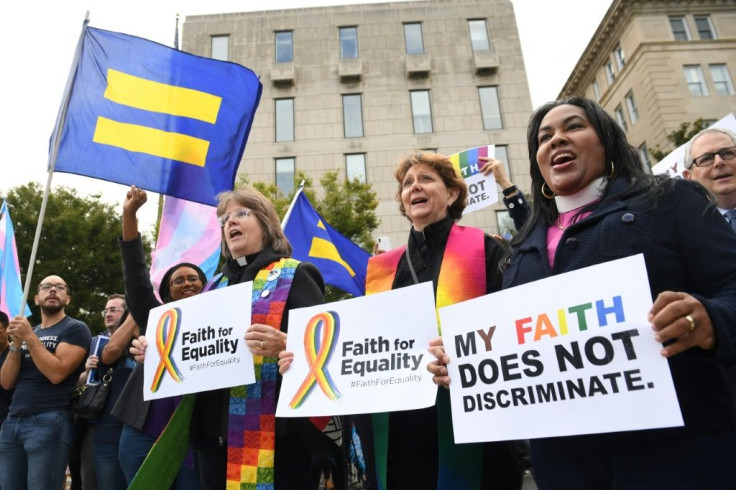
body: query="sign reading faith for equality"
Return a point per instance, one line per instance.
(570, 354)
(481, 189)
(198, 344)
(362, 355)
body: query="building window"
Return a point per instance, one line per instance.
(284, 47)
(620, 117)
(479, 35)
(505, 224)
(285, 175)
(618, 55)
(421, 111)
(219, 48)
(348, 42)
(352, 114)
(610, 74)
(705, 27)
(695, 80)
(502, 154)
(596, 90)
(631, 105)
(489, 108)
(721, 79)
(644, 155)
(284, 119)
(679, 28)
(413, 38)
(355, 167)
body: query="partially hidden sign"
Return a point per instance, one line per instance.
(482, 190)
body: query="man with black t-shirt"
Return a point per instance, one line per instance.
(43, 366)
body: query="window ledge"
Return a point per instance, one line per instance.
(282, 73)
(485, 61)
(350, 69)
(418, 65)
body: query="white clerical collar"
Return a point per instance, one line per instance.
(242, 261)
(592, 191)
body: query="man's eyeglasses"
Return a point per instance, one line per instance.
(707, 159)
(181, 279)
(112, 309)
(237, 214)
(46, 286)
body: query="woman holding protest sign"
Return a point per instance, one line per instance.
(145, 420)
(414, 448)
(235, 432)
(594, 202)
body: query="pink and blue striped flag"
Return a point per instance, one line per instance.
(11, 291)
(189, 232)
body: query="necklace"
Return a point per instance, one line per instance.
(558, 224)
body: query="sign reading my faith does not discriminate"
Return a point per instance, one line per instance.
(570, 354)
(197, 344)
(362, 355)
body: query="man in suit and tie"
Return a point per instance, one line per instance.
(710, 159)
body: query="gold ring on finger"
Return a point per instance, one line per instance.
(692, 322)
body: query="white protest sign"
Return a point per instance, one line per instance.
(481, 189)
(362, 355)
(197, 344)
(570, 354)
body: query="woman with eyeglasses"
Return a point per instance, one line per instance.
(230, 428)
(145, 420)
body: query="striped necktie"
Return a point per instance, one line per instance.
(731, 218)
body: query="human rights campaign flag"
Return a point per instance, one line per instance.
(145, 114)
(11, 292)
(342, 263)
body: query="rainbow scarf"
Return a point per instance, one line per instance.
(251, 437)
(462, 277)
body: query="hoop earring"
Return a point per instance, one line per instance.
(551, 194)
(613, 169)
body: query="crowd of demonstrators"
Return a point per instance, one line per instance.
(593, 202)
(43, 366)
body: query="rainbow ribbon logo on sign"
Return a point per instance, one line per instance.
(320, 339)
(166, 332)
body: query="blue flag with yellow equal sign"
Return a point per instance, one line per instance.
(145, 114)
(342, 263)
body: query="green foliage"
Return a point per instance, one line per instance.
(679, 137)
(348, 206)
(78, 242)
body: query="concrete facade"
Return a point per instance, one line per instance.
(384, 75)
(661, 41)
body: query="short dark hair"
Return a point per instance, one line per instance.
(444, 167)
(4, 319)
(117, 296)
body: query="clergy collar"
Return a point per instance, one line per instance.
(590, 193)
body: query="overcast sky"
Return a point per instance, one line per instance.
(38, 39)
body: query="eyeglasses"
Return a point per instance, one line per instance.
(180, 280)
(47, 286)
(707, 159)
(237, 214)
(112, 309)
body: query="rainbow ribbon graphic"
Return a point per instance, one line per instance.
(166, 333)
(320, 339)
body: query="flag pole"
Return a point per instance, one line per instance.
(56, 139)
(291, 206)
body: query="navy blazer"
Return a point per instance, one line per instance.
(688, 247)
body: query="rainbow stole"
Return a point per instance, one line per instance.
(251, 438)
(462, 277)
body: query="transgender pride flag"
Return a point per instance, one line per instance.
(11, 292)
(189, 232)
